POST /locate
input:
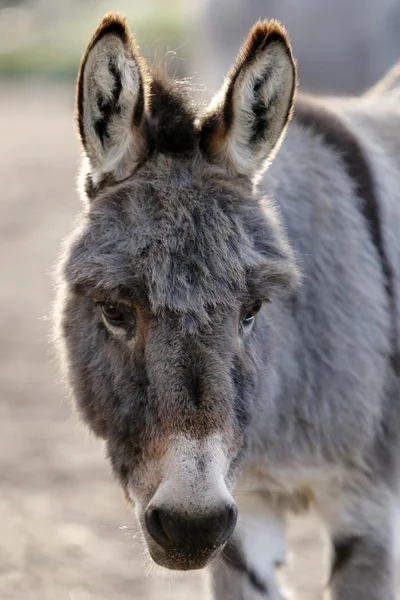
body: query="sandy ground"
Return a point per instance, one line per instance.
(65, 532)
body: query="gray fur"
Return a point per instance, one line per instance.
(302, 409)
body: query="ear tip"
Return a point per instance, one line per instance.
(265, 32)
(113, 18)
(269, 27)
(112, 23)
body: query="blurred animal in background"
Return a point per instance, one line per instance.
(368, 32)
(228, 391)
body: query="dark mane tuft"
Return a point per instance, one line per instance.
(172, 116)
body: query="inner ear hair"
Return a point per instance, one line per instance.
(246, 121)
(111, 100)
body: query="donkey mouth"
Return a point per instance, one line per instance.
(180, 560)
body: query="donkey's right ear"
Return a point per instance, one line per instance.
(111, 99)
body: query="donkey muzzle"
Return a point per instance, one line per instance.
(188, 542)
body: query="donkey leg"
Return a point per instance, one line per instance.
(246, 568)
(364, 554)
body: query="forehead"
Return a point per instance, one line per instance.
(179, 233)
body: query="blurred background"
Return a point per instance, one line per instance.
(65, 532)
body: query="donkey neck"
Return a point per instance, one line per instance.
(314, 363)
(333, 133)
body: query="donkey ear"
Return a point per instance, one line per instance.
(247, 120)
(111, 96)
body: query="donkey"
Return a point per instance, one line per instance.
(233, 336)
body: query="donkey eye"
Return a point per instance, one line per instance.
(114, 313)
(250, 316)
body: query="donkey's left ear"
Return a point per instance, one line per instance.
(245, 123)
(111, 98)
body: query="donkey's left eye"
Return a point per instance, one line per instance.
(250, 315)
(114, 313)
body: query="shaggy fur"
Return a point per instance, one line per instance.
(197, 403)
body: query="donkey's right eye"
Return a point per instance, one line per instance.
(114, 313)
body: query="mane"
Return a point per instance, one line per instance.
(172, 127)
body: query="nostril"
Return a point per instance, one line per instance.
(229, 521)
(155, 527)
(172, 530)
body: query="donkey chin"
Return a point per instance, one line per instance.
(182, 558)
(178, 560)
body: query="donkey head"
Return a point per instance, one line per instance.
(174, 255)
